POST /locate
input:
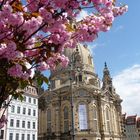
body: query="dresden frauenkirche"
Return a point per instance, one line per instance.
(77, 105)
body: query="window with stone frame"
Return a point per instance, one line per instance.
(10, 136)
(49, 120)
(95, 119)
(1, 134)
(29, 100)
(29, 125)
(24, 111)
(28, 136)
(82, 111)
(12, 122)
(18, 109)
(24, 99)
(23, 137)
(66, 119)
(114, 120)
(23, 124)
(29, 111)
(17, 123)
(17, 136)
(33, 137)
(34, 125)
(34, 112)
(107, 115)
(34, 100)
(12, 109)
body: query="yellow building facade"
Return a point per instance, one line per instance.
(76, 106)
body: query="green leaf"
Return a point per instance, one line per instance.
(45, 79)
(20, 97)
(23, 84)
(38, 44)
(39, 81)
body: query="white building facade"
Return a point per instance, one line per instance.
(132, 127)
(23, 117)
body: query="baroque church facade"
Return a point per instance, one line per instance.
(76, 106)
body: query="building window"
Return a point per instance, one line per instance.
(24, 99)
(29, 100)
(1, 134)
(23, 137)
(95, 119)
(115, 121)
(82, 111)
(66, 122)
(33, 136)
(12, 122)
(24, 110)
(107, 119)
(34, 112)
(17, 123)
(29, 111)
(34, 101)
(48, 120)
(11, 136)
(28, 136)
(33, 125)
(29, 124)
(18, 110)
(17, 136)
(12, 108)
(23, 124)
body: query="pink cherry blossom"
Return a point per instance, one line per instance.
(38, 32)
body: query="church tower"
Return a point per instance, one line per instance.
(76, 107)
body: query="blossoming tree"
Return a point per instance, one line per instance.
(35, 32)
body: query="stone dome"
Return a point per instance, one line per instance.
(84, 54)
(80, 56)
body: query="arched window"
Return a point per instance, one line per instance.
(82, 111)
(107, 114)
(95, 119)
(115, 121)
(66, 119)
(49, 120)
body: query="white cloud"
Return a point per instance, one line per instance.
(127, 84)
(82, 15)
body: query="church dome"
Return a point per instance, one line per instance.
(80, 68)
(79, 56)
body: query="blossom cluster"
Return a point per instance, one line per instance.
(3, 120)
(35, 32)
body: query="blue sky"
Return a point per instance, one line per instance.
(120, 49)
(120, 46)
